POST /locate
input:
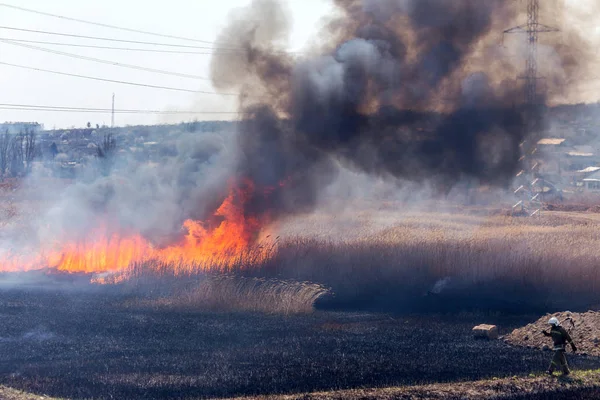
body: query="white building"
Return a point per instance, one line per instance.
(592, 182)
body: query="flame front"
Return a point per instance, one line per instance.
(203, 246)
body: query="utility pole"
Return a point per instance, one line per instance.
(533, 28)
(112, 117)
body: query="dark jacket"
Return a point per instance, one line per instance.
(560, 337)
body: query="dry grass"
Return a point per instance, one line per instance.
(581, 385)
(410, 261)
(217, 288)
(214, 292)
(253, 294)
(13, 394)
(490, 262)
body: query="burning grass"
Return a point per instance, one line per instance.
(385, 259)
(105, 247)
(419, 262)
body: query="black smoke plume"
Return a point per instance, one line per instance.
(413, 90)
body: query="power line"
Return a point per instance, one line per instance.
(108, 111)
(102, 24)
(91, 46)
(113, 63)
(33, 107)
(113, 80)
(117, 40)
(225, 50)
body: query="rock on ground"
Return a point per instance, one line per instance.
(485, 332)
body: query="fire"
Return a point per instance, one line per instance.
(221, 241)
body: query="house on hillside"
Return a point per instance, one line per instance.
(579, 158)
(591, 184)
(549, 150)
(588, 171)
(578, 177)
(551, 143)
(559, 161)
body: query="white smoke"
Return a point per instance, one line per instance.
(185, 179)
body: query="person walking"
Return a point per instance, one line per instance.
(560, 337)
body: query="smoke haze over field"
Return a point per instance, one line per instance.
(401, 90)
(188, 180)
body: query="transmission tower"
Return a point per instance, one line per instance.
(532, 28)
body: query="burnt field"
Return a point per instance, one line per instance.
(396, 296)
(101, 345)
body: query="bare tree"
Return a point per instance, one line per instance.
(30, 150)
(107, 148)
(106, 153)
(4, 153)
(16, 155)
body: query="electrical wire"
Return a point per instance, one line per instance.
(113, 63)
(32, 107)
(113, 80)
(91, 46)
(225, 50)
(102, 24)
(11, 28)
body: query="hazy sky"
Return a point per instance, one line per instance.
(199, 19)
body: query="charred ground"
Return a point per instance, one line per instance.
(83, 345)
(81, 341)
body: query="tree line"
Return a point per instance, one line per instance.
(17, 153)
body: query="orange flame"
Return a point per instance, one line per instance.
(201, 247)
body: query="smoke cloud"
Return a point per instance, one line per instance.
(401, 90)
(410, 90)
(188, 180)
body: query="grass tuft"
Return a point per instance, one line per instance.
(227, 292)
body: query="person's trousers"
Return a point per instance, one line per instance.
(559, 361)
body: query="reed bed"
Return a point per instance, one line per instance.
(488, 262)
(437, 261)
(219, 292)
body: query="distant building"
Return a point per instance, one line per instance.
(592, 183)
(551, 160)
(21, 127)
(579, 159)
(551, 142)
(589, 170)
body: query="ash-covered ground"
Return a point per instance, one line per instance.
(100, 345)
